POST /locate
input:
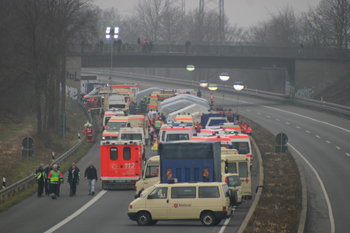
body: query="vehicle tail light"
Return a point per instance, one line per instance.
(226, 181)
(224, 208)
(130, 206)
(249, 197)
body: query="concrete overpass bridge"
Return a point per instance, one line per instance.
(306, 67)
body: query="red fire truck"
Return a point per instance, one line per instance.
(121, 164)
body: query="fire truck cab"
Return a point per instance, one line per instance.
(121, 164)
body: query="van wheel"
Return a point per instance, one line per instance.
(233, 197)
(208, 219)
(143, 218)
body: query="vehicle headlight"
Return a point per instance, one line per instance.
(103, 138)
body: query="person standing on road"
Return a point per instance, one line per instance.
(211, 100)
(199, 93)
(47, 180)
(187, 44)
(73, 179)
(40, 177)
(91, 175)
(55, 177)
(138, 44)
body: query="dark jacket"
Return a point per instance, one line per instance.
(47, 171)
(73, 176)
(40, 175)
(91, 173)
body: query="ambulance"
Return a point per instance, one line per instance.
(176, 132)
(209, 202)
(241, 142)
(133, 134)
(110, 113)
(224, 141)
(184, 118)
(116, 122)
(233, 162)
(157, 97)
(121, 164)
(119, 102)
(150, 176)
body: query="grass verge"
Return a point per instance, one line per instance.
(279, 207)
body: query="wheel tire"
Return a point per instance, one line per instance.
(208, 219)
(233, 197)
(143, 218)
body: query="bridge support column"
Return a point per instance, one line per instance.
(290, 82)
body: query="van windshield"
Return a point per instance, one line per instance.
(131, 136)
(176, 137)
(152, 170)
(233, 181)
(112, 125)
(116, 106)
(242, 147)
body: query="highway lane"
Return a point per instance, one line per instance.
(323, 140)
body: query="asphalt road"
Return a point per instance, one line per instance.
(322, 139)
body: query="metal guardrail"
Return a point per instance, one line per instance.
(30, 180)
(321, 105)
(288, 52)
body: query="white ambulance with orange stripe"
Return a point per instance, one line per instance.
(184, 118)
(111, 113)
(176, 132)
(150, 175)
(115, 123)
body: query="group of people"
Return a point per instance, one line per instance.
(51, 178)
(155, 121)
(146, 44)
(143, 105)
(245, 128)
(99, 46)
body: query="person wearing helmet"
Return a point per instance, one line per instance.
(89, 133)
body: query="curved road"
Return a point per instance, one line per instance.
(321, 138)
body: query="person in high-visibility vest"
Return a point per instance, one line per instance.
(56, 178)
(40, 177)
(158, 124)
(211, 100)
(249, 130)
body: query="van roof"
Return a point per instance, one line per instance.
(189, 184)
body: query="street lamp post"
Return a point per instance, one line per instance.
(111, 33)
(238, 86)
(204, 84)
(224, 77)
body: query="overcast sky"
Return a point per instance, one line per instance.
(244, 13)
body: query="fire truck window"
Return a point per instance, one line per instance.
(243, 169)
(231, 168)
(127, 153)
(113, 153)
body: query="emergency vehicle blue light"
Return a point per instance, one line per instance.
(221, 127)
(171, 181)
(113, 110)
(126, 114)
(236, 123)
(115, 114)
(107, 85)
(221, 123)
(107, 142)
(209, 110)
(119, 109)
(130, 141)
(188, 113)
(182, 122)
(179, 114)
(189, 124)
(230, 110)
(236, 132)
(230, 146)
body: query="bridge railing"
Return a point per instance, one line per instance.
(216, 50)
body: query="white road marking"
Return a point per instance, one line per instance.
(318, 136)
(222, 229)
(258, 113)
(277, 119)
(307, 131)
(297, 127)
(76, 213)
(347, 154)
(268, 116)
(287, 123)
(248, 110)
(338, 147)
(328, 142)
(330, 211)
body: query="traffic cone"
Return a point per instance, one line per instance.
(155, 146)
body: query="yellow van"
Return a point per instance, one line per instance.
(231, 162)
(209, 202)
(150, 176)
